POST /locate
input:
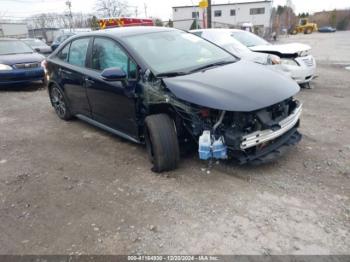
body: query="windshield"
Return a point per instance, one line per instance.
(225, 40)
(34, 42)
(14, 47)
(176, 51)
(248, 39)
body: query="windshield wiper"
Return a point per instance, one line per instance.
(181, 73)
(17, 53)
(211, 65)
(171, 74)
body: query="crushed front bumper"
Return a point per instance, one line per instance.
(268, 145)
(271, 152)
(263, 136)
(304, 72)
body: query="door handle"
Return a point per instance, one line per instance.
(60, 70)
(89, 81)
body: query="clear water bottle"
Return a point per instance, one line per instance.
(205, 145)
(219, 149)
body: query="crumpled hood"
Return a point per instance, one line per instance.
(259, 58)
(282, 49)
(21, 58)
(242, 87)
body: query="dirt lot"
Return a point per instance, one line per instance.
(69, 188)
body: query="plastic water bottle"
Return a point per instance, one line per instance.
(219, 149)
(205, 145)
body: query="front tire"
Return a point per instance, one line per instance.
(161, 142)
(307, 31)
(59, 103)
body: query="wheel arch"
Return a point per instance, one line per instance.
(55, 83)
(154, 109)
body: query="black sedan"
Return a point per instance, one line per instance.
(167, 88)
(327, 29)
(19, 63)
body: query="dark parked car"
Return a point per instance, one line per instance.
(19, 63)
(38, 45)
(59, 40)
(165, 88)
(327, 29)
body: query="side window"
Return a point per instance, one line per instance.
(77, 52)
(107, 53)
(63, 54)
(132, 74)
(198, 33)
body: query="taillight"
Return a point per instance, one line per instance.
(44, 64)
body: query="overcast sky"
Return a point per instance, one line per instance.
(155, 8)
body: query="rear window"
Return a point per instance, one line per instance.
(63, 54)
(77, 52)
(197, 33)
(248, 39)
(10, 47)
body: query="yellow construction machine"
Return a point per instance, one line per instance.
(304, 27)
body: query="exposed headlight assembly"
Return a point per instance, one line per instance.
(303, 53)
(5, 67)
(273, 60)
(285, 61)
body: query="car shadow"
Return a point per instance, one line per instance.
(27, 87)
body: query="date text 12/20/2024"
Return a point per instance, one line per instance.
(173, 258)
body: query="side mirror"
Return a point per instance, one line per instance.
(113, 74)
(37, 50)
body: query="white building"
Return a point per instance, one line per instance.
(19, 30)
(226, 15)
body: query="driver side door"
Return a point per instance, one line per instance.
(112, 102)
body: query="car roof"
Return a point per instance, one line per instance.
(24, 39)
(217, 29)
(221, 36)
(8, 39)
(128, 31)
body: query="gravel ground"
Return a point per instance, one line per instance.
(69, 188)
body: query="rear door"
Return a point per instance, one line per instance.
(72, 74)
(113, 103)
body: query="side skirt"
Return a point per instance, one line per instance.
(107, 128)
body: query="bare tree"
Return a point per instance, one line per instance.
(112, 8)
(49, 20)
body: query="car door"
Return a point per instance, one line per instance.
(112, 102)
(72, 75)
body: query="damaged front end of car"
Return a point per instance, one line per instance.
(257, 136)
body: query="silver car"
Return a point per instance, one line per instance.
(38, 45)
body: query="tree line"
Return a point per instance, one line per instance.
(102, 8)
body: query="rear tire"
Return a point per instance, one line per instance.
(59, 103)
(161, 142)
